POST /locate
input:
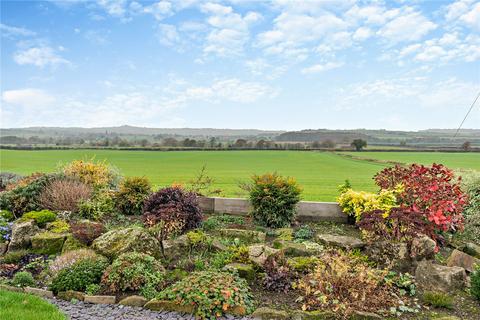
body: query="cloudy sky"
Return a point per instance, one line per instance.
(282, 64)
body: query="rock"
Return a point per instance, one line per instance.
(472, 249)
(70, 295)
(248, 236)
(163, 305)
(445, 318)
(295, 249)
(460, 259)
(100, 299)
(360, 315)
(314, 315)
(270, 314)
(10, 288)
(345, 242)
(422, 248)
(133, 301)
(71, 244)
(435, 277)
(218, 246)
(3, 248)
(245, 271)
(48, 243)
(22, 232)
(39, 292)
(237, 311)
(390, 255)
(115, 242)
(259, 253)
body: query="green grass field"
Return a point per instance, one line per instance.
(319, 173)
(16, 306)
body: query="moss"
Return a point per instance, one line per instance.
(302, 264)
(58, 226)
(41, 218)
(245, 271)
(48, 243)
(438, 299)
(71, 244)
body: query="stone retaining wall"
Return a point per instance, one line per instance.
(306, 210)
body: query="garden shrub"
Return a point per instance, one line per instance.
(64, 195)
(134, 272)
(212, 293)
(23, 279)
(304, 233)
(23, 196)
(470, 184)
(78, 276)
(7, 215)
(401, 224)
(343, 284)
(475, 283)
(432, 191)
(97, 174)
(41, 218)
(86, 231)
(68, 259)
(355, 203)
(174, 210)
(13, 257)
(405, 282)
(131, 195)
(5, 230)
(278, 275)
(303, 264)
(93, 289)
(274, 199)
(100, 204)
(438, 299)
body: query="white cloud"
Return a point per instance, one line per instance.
(457, 9)
(230, 30)
(116, 8)
(98, 37)
(472, 18)
(317, 68)
(11, 31)
(168, 35)
(28, 97)
(407, 27)
(160, 10)
(39, 56)
(362, 33)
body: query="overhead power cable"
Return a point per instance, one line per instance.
(465, 118)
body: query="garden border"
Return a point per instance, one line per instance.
(307, 211)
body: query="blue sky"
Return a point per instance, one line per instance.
(288, 65)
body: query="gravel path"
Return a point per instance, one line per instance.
(89, 311)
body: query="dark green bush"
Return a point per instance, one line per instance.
(134, 272)
(100, 204)
(78, 276)
(132, 193)
(438, 299)
(212, 293)
(475, 283)
(23, 279)
(41, 217)
(274, 199)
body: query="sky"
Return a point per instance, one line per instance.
(288, 65)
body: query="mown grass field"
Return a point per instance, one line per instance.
(319, 173)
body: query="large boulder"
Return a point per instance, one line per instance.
(264, 313)
(22, 233)
(434, 277)
(259, 253)
(423, 248)
(245, 271)
(345, 242)
(297, 249)
(3, 248)
(48, 243)
(118, 241)
(460, 259)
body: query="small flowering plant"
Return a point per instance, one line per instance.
(5, 230)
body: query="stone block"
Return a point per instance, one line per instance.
(39, 292)
(100, 299)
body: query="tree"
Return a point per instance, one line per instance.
(466, 146)
(329, 144)
(240, 143)
(359, 144)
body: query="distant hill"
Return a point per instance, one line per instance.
(430, 137)
(131, 130)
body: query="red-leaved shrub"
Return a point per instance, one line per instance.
(432, 191)
(86, 231)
